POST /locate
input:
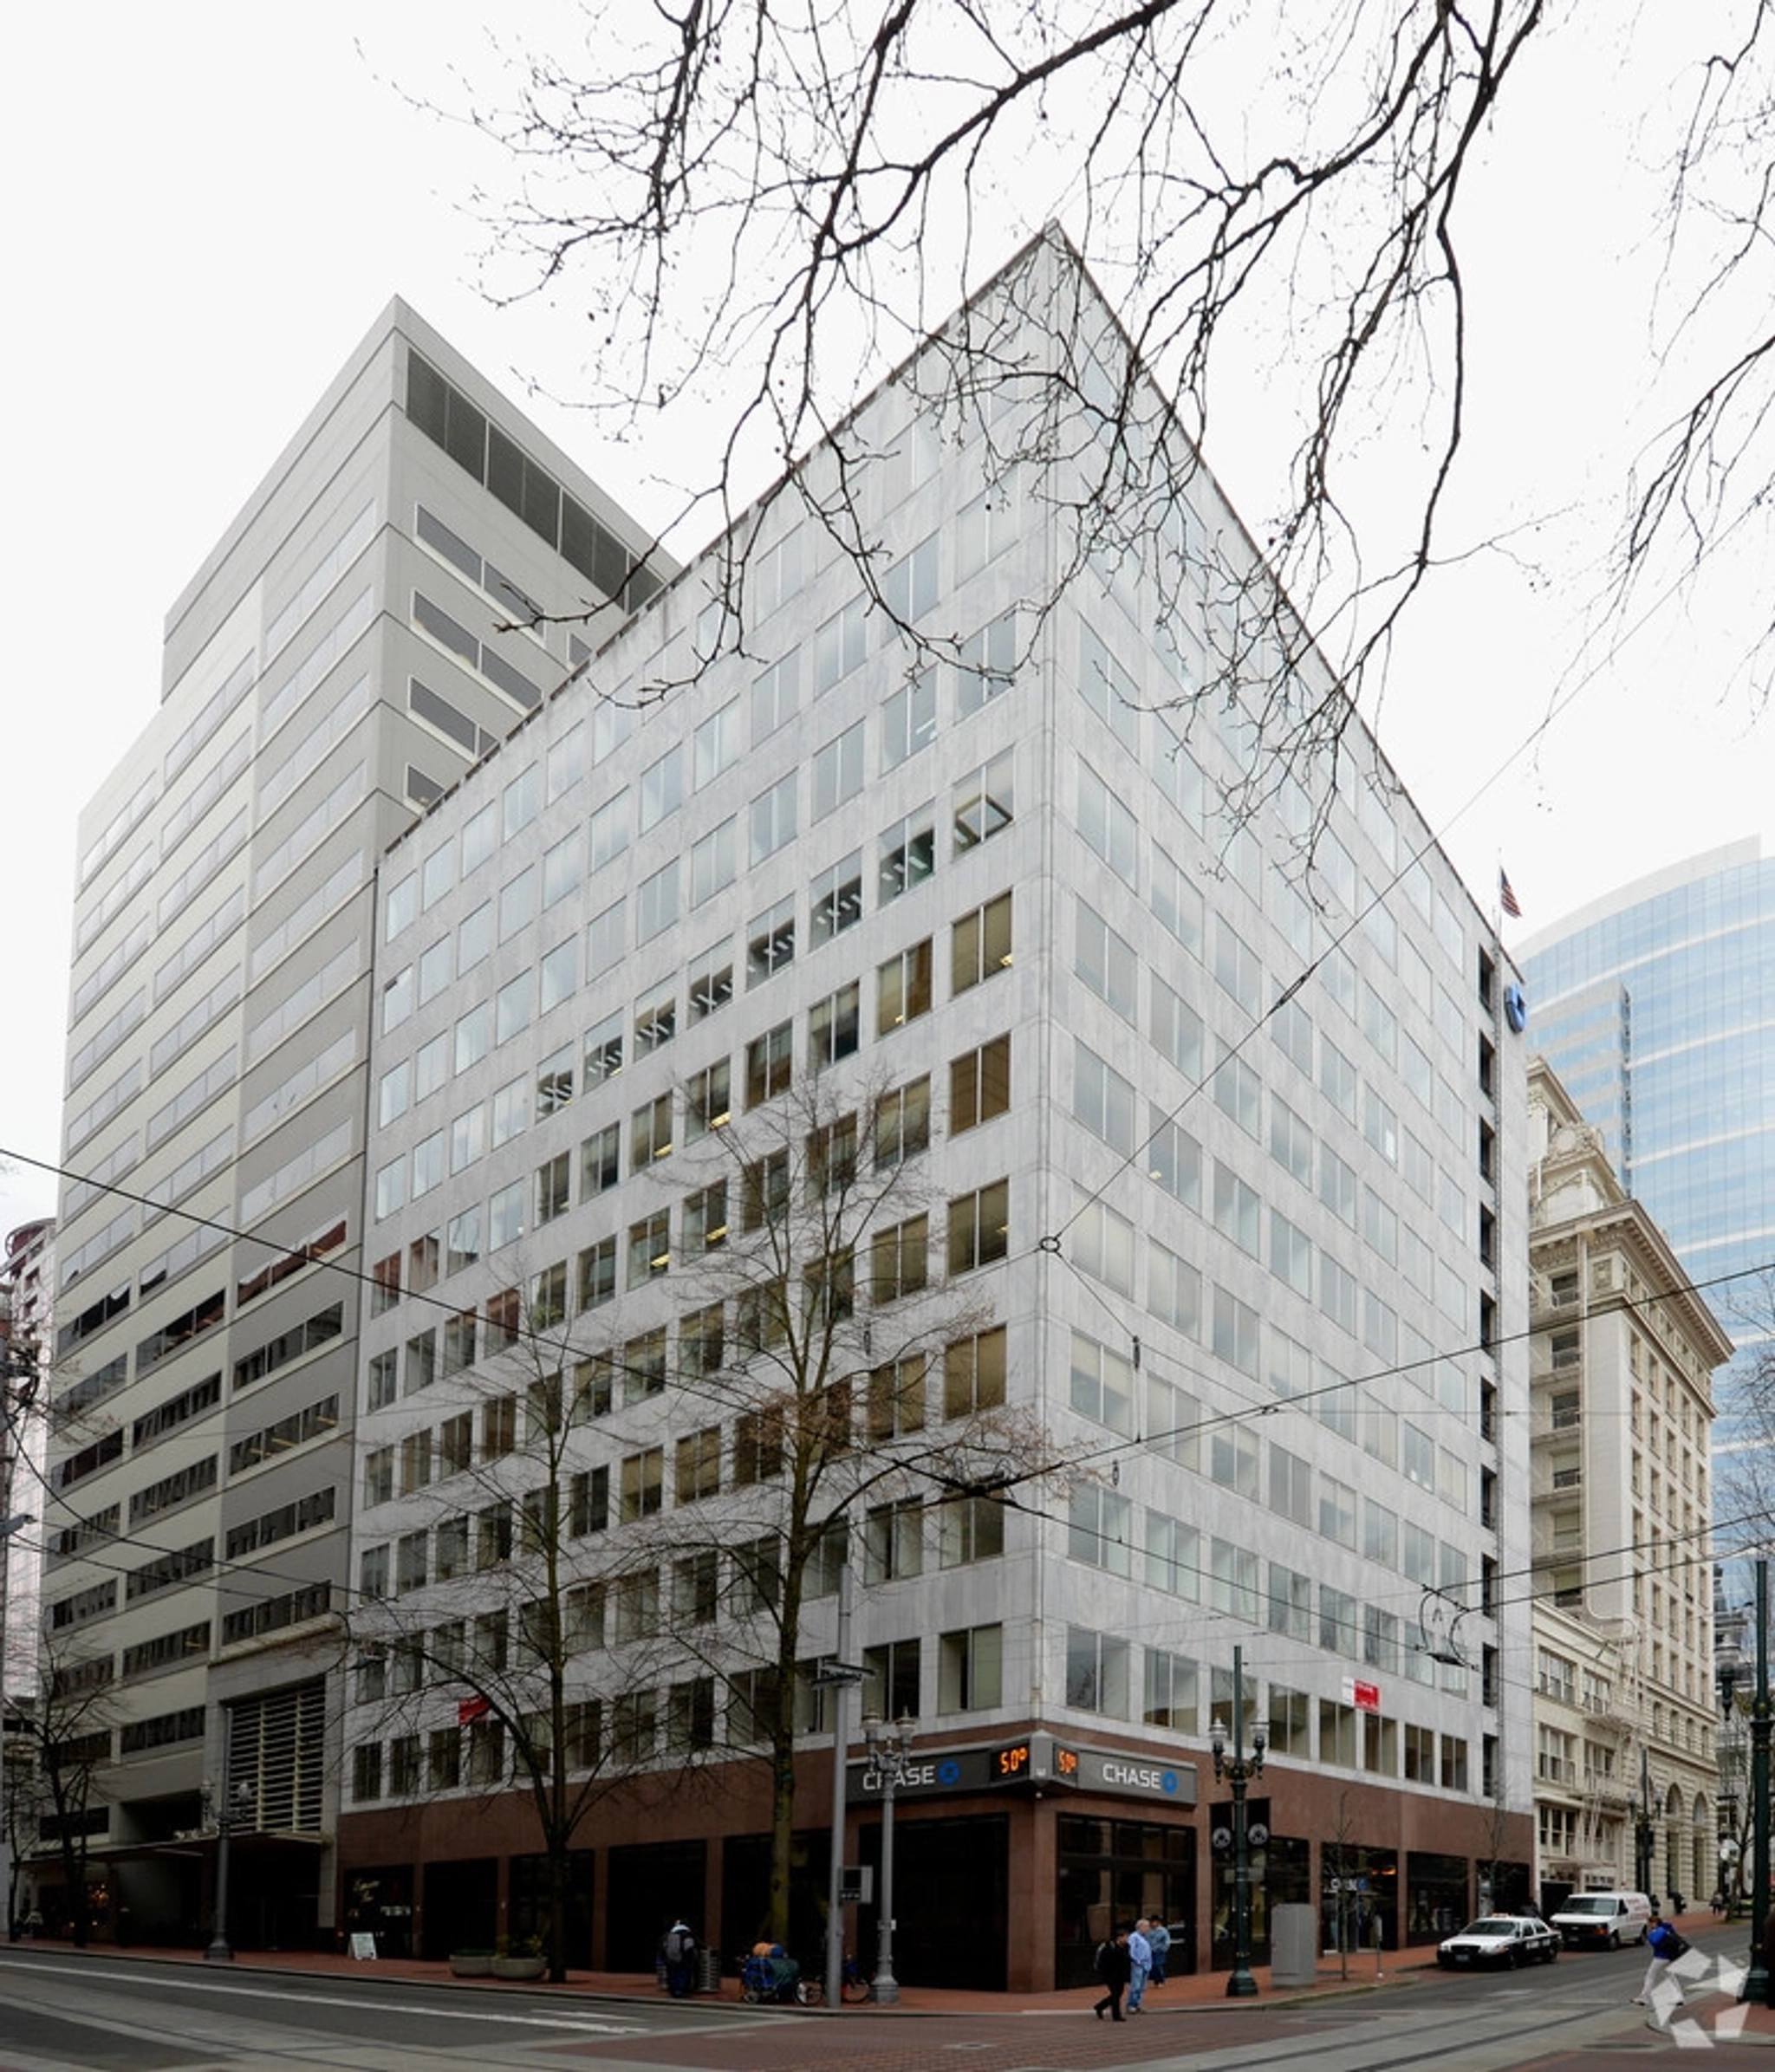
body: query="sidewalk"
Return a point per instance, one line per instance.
(1208, 1989)
(1396, 1969)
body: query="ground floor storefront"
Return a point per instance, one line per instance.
(1010, 1862)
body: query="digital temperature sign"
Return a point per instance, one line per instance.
(1037, 1761)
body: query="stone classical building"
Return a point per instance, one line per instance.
(1656, 1005)
(1624, 1356)
(1210, 1129)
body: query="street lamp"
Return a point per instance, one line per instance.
(1237, 1771)
(1756, 1979)
(230, 1804)
(1642, 1830)
(890, 1749)
(1732, 1672)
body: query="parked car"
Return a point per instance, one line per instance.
(1508, 1940)
(1603, 1920)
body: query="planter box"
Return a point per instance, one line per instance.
(519, 1967)
(471, 1964)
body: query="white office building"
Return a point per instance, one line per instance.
(331, 670)
(1219, 1129)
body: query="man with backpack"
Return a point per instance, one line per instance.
(677, 1949)
(1113, 1967)
(1665, 1946)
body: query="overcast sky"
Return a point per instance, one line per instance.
(213, 202)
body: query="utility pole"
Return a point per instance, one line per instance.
(840, 1676)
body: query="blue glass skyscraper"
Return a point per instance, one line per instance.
(1656, 1005)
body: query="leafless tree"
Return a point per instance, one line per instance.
(838, 1357)
(59, 1744)
(756, 204)
(488, 1655)
(607, 1526)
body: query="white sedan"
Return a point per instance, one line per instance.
(1500, 1939)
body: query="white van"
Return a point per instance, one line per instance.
(1602, 1920)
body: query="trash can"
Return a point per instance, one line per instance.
(708, 1971)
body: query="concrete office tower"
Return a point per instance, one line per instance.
(1623, 1358)
(1655, 1005)
(1221, 1149)
(333, 668)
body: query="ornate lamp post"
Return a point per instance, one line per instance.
(1731, 1673)
(1238, 1770)
(890, 1749)
(232, 1803)
(1756, 1980)
(1643, 1830)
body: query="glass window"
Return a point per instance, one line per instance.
(480, 835)
(606, 939)
(564, 867)
(775, 697)
(559, 974)
(608, 830)
(1105, 961)
(1101, 1099)
(518, 903)
(714, 861)
(1108, 825)
(837, 900)
(512, 1006)
(909, 719)
(986, 664)
(473, 1034)
(710, 984)
(980, 944)
(663, 788)
(772, 819)
(979, 1085)
(834, 1026)
(979, 1227)
(474, 937)
(838, 770)
(841, 645)
(903, 988)
(984, 801)
(907, 852)
(770, 943)
(656, 903)
(716, 745)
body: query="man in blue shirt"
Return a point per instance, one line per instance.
(1657, 1987)
(1140, 1959)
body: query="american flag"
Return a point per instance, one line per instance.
(1506, 894)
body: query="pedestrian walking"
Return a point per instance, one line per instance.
(1112, 1969)
(677, 1949)
(1665, 1946)
(1159, 1939)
